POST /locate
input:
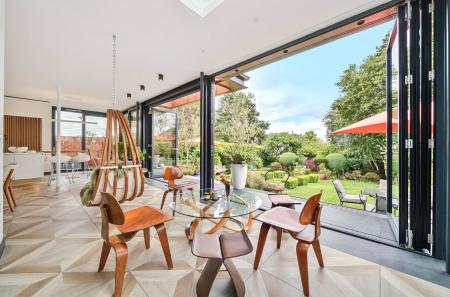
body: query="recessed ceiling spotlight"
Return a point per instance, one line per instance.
(360, 22)
(129, 95)
(160, 77)
(142, 88)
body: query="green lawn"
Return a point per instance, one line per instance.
(329, 193)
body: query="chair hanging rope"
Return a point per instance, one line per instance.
(120, 172)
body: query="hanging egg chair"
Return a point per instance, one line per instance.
(120, 172)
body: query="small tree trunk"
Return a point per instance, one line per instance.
(380, 168)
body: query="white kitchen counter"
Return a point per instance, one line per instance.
(29, 165)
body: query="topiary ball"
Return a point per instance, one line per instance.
(288, 159)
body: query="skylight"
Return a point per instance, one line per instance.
(202, 7)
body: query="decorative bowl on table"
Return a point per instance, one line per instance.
(22, 149)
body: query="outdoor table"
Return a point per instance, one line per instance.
(216, 207)
(380, 199)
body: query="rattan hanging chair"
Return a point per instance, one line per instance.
(120, 172)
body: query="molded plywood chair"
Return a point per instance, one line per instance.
(7, 189)
(129, 223)
(171, 174)
(299, 225)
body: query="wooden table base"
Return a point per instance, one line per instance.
(219, 224)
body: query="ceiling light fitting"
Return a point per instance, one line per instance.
(142, 88)
(160, 77)
(129, 95)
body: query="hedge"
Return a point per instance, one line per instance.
(279, 174)
(291, 183)
(313, 178)
(302, 180)
(269, 175)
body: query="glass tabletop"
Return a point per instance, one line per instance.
(215, 204)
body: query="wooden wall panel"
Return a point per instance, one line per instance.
(23, 131)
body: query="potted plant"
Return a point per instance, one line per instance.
(238, 156)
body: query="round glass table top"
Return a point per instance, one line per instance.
(215, 204)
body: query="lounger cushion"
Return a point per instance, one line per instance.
(354, 198)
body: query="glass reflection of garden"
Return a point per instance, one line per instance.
(299, 164)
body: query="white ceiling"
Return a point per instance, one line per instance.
(68, 43)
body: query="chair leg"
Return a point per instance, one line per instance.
(121, 263)
(104, 256)
(12, 196)
(261, 242)
(279, 235)
(302, 259)
(174, 200)
(146, 237)
(8, 199)
(318, 252)
(164, 198)
(162, 234)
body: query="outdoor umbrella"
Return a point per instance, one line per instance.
(371, 125)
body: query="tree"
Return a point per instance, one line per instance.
(363, 93)
(237, 119)
(279, 143)
(188, 127)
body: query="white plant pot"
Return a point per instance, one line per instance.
(239, 175)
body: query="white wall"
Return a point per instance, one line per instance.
(2, 91)
(33, 109)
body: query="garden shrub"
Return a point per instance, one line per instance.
(336, 162)
(276, 166)
(291, 183)
(262, 173)
(311, 165)
(288, 159)
(279, 174)
(188, 169)
(269, 175)
(320, 160)
(313, 178)
(324, 173)
(256, 181)
(303, 180)
(372, 177)
(354, 175)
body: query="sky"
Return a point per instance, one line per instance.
(295, 93)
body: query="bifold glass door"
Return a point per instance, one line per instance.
(163, 140)
(416, 125)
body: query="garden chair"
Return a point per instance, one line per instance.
(129, 223)
(303, 226)
(348, 198)
(171, 174)
(382, 194)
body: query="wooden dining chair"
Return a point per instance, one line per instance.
(7, 190)
(129, 223)
(303, 227)
(171, 175)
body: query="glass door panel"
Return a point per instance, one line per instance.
(164, 141)
(95, 135)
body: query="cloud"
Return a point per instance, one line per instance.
(289, 107)
(315, 125)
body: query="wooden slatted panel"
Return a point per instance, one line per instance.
(23, 131)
